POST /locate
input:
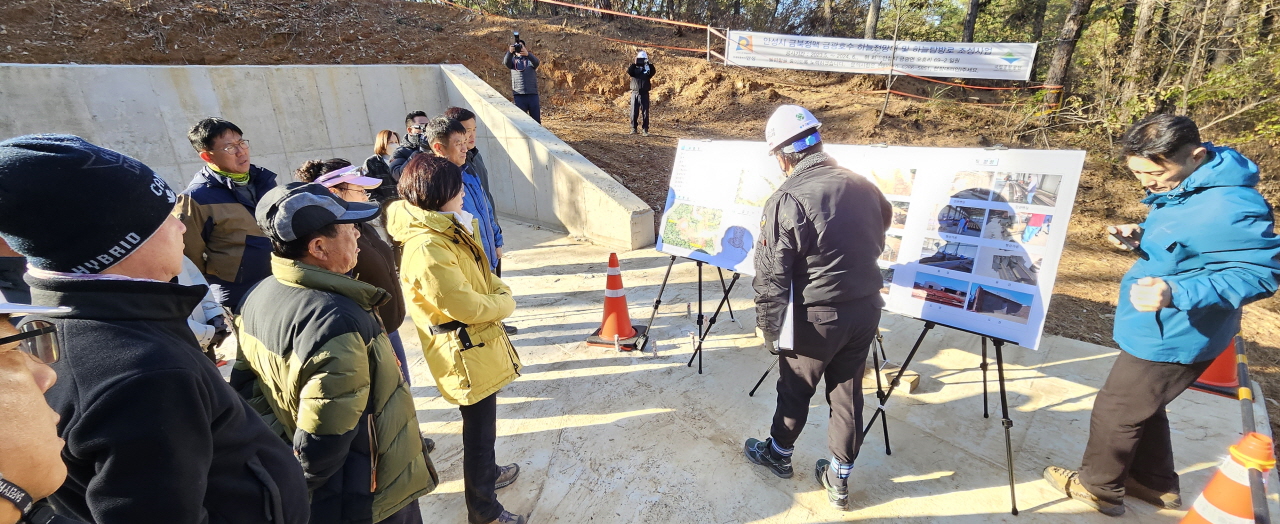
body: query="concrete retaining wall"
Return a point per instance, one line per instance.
(291, 114)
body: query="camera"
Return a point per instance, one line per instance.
(417, 139)
(518, 44)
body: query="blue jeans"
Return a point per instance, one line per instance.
(398, 347)
(530, 105)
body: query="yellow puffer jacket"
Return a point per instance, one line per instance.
(445, 276)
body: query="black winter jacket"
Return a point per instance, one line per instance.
(822, 233)
(640, 75)
(399, 158)
(524, 74)
(153, 432)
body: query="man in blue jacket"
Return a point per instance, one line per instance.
(1206, 249)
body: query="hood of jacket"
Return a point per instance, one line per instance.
(292, 272)
(1224, 167)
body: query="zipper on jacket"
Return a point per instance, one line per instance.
(373, 456)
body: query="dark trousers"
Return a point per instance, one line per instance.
(410, 514)
(479, 467)
(530, 105)
(639, 108)
(1129, 429)
(832, 343)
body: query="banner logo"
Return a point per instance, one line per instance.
(744, 44)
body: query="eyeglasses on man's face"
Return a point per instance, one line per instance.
(235, 147)
(37, 338)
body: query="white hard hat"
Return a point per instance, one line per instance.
(788, 123)
(643, 55)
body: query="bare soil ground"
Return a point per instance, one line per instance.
(585, 97)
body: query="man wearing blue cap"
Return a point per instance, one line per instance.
(316, 362)
(821, 235)
(153, 432)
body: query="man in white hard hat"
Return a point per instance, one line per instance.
(640, 72)
(820, 236)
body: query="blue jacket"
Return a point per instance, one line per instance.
(1212, 240)
(477, 203)
(222, 237)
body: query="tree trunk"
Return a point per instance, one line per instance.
(873, 19)
(1072, 27)
(1137, 48)
(970, 20)
(1124, 28)
(606, 4)
(1226, 41)
(1268, 22)
(1037, 20)
(1196, 70)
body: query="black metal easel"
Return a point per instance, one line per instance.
(701, 319)
(883, 396)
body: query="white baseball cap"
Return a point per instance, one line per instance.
(643, 55)
(787, 124)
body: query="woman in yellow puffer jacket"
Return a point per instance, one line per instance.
(457, 305)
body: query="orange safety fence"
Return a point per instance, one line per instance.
(619, 13)
(642, 44)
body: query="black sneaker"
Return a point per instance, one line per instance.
(511, 330)
(506, 475)
(838, 496)
(506, 517)
(758, 452)
(428, 444)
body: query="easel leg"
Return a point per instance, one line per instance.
(894, 383)
(656, 302)
(764, 376)
(985, 411)
(880, 396)
(702, 333)
(726, 291)
(1008, 424)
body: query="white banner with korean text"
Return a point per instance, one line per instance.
(848, 55)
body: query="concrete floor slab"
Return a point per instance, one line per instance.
(603, 436)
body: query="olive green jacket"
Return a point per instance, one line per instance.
(315, 362)
(446, 277)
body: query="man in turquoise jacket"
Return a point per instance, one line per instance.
(1206, 249)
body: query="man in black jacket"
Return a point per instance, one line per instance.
(822, 232)
(640, 72)
(153, 432)
(414, 124)
(524, 78)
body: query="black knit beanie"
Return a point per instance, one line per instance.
(73, 207)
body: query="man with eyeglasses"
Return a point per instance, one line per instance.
(153, 432)
(217, 207)
(31, 465)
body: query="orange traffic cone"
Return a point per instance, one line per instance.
(1227, 498)
(616, 329)
(1221, 377)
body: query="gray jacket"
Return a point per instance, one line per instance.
(524, 74)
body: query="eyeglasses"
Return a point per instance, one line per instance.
(37, 338)
(346, 188)
(233, 148)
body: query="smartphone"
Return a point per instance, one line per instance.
(1126, 241)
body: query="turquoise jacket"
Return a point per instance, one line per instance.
(1212, 240)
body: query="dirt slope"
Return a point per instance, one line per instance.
(585, 103)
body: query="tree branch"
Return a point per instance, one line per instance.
(1238, 112)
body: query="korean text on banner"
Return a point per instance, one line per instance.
(848, 55)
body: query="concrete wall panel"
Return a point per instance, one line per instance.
(292, 114)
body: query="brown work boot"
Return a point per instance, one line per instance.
(1159, 499)
(506, 475)
(1067, 482)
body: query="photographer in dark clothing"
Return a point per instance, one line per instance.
(414, 124)
(640, 72)
(822, 232)
(524, 78)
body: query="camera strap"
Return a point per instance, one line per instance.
(18, 496)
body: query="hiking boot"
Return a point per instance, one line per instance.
(1068, 483)
(428, 444)
(1159, 499)
(838, 495)
(511, 330)
(760, 452)
(644, 132)
(506, 475)
(633, 131)
(507, 517)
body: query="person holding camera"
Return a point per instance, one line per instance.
(640, 72)
(415, 123)
(524, 77)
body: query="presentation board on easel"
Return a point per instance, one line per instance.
(975, 241)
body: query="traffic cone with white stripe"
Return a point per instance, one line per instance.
(1227, 499)
(615, 330)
